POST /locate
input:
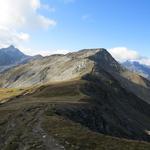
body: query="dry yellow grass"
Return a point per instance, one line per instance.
(6, 94)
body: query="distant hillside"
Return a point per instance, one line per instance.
(11, 56)
(141, 69)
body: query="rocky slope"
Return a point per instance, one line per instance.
(81, 101)
(58, 68)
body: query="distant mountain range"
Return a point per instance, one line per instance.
(11, 56)
(135, 66)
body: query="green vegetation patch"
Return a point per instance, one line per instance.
(9, 93)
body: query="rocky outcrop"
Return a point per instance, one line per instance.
(57, 68)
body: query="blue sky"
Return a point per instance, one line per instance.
(98, 23)
(78, 24)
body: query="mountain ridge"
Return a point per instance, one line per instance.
(11, 56)
(143, 70)
(65, 67)
(72, 66)
(64, 98)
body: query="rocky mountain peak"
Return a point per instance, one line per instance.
(11, 47)
(12, 56)
(85, 53)
(104, 59)
(57, 68)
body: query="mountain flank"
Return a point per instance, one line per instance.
(58, 68)
(83, 100)
(73, 66)
(85, 114)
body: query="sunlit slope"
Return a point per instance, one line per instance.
(73, 66)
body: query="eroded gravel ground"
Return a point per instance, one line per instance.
(22, 130)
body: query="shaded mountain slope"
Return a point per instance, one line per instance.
(76, 115)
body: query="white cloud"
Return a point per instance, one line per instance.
(123, 54)
(8, 36)
(23, 36)
(17, 15)
(145, 61)
(44, 22)
(35, 4)
(32, 52)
